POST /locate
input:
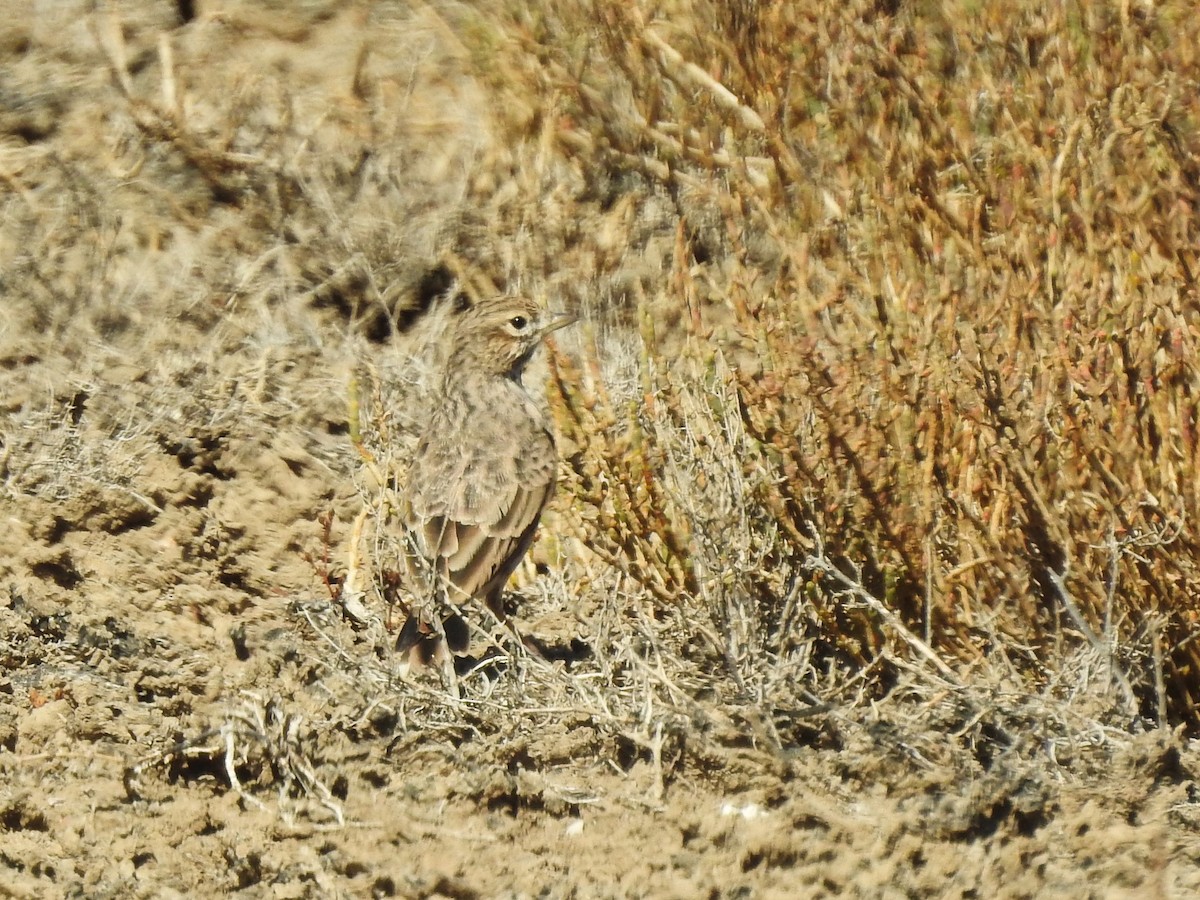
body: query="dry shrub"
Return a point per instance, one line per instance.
(949, 256)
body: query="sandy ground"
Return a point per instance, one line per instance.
(184, 709)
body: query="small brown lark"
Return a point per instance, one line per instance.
(482, 473)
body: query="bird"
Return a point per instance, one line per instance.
(483, 470)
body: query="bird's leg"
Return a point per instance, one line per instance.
(530, 644)
(450, 677)
(533, 647)
(442, 657)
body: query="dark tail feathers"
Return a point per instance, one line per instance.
(424, 644)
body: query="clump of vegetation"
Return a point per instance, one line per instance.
(921, 355)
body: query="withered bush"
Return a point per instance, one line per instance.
(948, 256)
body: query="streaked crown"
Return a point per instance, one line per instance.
(498, 336)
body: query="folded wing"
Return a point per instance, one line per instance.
(476, 519)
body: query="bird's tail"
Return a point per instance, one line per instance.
(424, 643)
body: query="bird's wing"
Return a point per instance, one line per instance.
(475, 511)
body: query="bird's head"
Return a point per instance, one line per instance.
(498, 336)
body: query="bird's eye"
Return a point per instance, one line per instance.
(518, 322)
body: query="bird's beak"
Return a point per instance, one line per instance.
(557, 321)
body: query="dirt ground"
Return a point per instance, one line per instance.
(185, 710)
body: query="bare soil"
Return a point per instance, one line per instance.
(184, 708)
